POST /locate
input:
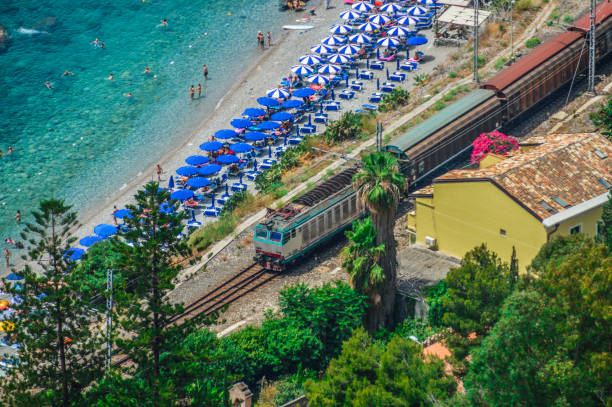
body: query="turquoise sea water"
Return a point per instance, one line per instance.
(83, 139)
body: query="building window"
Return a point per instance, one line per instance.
(576, 229)
(605, 183)
(561, 202)
(601, 154)
(502, 232)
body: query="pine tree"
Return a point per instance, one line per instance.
(60, 349)
(148, 268)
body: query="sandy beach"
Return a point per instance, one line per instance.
(262, 73)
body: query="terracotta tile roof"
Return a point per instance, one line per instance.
(425, 191)
(563, 171)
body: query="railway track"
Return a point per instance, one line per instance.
(247, 280)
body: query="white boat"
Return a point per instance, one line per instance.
(298, 27)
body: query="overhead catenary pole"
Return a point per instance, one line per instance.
(476, 41)
(591, 85)
(109, 317)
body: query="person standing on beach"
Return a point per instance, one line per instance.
(205, 68)
(159, 171)
(199, 90)
(114, 217)
(18, 217)
(260, 39)
(269, 39)
(191, 92)
(7, 256)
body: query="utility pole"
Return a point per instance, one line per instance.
(591, 86)
(476, 41)
(512, 30)
(109, 317)
(378, 135)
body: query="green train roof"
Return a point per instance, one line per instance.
(439, 120)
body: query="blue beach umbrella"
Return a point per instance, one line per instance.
(74, 253)
(171, 182)
(369, 27)
(254, 112)
(241, 123)
(398, 31)
(340, 29)
(269, 125)
(166, 208)
(417, 11)
(293, 103)
(416, 41)
(197, 159)
(318, 80)
(13, 277)
(310, 60)
(105, 230)
(379, 18)
(227, 159)
(89, 240)
(350, 15)
(182, 194)
(282, 116)
(211, 146)
(187, 171)
(267, 101)
(241, 147)
(339, 59)
(198, 182)
(210, 169)
(388, 42)
(278, 93)
(362, 7)
(408, 21)
(329, 69)
(349, 49)
(301, 70)
(322, 49)
(333, 40)
(390, 8)
(226, 133)
(254, 136)
(123, 213)
(304, 93)
(428, 2)
(360, 38)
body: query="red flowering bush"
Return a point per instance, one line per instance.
(494, 142)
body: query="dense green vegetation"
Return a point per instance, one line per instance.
(391, 101)
(602, 118)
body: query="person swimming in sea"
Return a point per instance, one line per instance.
(164, 23)
(110, 77)
(67, 72)
(147, 70)
(48, 85)
(129, 96)
(96, 42)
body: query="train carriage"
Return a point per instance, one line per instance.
(301, 225)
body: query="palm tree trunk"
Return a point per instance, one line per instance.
(383, 222)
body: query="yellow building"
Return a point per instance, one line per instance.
(554, 185)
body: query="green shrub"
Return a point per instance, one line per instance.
(439, 105)
(452, 74)
(532, 42)
(348, 127)
(213, 232)
(481, 61)
(417, 328)
(236, 199)
(270, 179)
(397, 98)
(499, 64)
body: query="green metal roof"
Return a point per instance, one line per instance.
(439, 120)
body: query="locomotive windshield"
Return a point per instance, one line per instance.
(276, 236)
(261, 232)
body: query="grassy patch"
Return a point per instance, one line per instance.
(202, 238)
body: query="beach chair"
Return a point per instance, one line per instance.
(332, 106)
(379, 65)
(408, 66)
(366, 75)
(375, 97)
(320, 118)
(212, 211)
(397, 77)
(369, 107)
(252, 174)
(346, 94)
(387, 87)
(308, 129)
(237, 186)
(357, 85)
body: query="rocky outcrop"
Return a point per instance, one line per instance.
(48, 24)
(3, 39)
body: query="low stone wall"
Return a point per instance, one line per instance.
(298, 402)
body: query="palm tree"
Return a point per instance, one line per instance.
(379, 187)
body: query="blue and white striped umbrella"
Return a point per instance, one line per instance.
(350, 15)
(408, 21)
(379, 19)
(341, 29)
(417, 11)
(398, 31)
(339, 59)
(301, 70)
(278, 93)
(428, 2)
(318, 79)
(333, 40)
(369, 27)
(310, 60)
(349, 49)
(322, 49)
(329, 69)
(360, 38)
(362, 6)
(390, 8)
(388, 42)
